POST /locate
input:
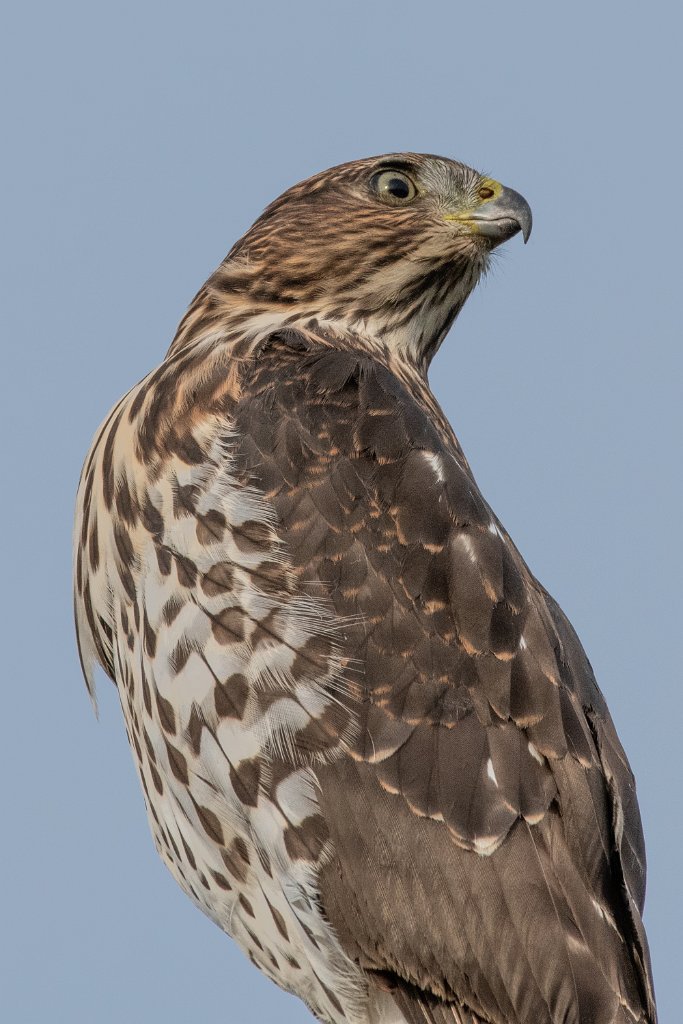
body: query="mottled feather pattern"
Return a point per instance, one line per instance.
(475, 702)
(232, 690)
(434, 550)
(371, 746)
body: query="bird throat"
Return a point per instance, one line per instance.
(404, 314)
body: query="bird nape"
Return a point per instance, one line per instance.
(371, 746)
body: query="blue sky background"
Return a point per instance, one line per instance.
(140, 140)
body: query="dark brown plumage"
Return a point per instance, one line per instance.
(468, 741)
(371, 744)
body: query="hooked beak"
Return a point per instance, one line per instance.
(500, 217)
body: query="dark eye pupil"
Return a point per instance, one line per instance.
(393, 185)
(398, 187)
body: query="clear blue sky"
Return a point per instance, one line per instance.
(140, 139)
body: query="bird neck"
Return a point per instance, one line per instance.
(402, 321)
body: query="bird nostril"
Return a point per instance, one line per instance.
(485, 192)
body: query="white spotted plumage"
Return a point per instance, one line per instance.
(265, 898)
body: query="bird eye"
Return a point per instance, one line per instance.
(394, 187)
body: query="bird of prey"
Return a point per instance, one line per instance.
(371, 746)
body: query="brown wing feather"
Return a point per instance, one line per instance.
(487, 849)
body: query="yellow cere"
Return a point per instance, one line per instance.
(487, 190)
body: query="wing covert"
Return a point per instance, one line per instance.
(476, 722)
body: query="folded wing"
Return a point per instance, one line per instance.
(487, 850)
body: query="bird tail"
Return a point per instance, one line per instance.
(402, 1004)
(422, 1009)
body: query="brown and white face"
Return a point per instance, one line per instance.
(389, 246)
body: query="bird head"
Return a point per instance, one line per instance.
(388, 248)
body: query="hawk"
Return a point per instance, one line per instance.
(370, 744)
